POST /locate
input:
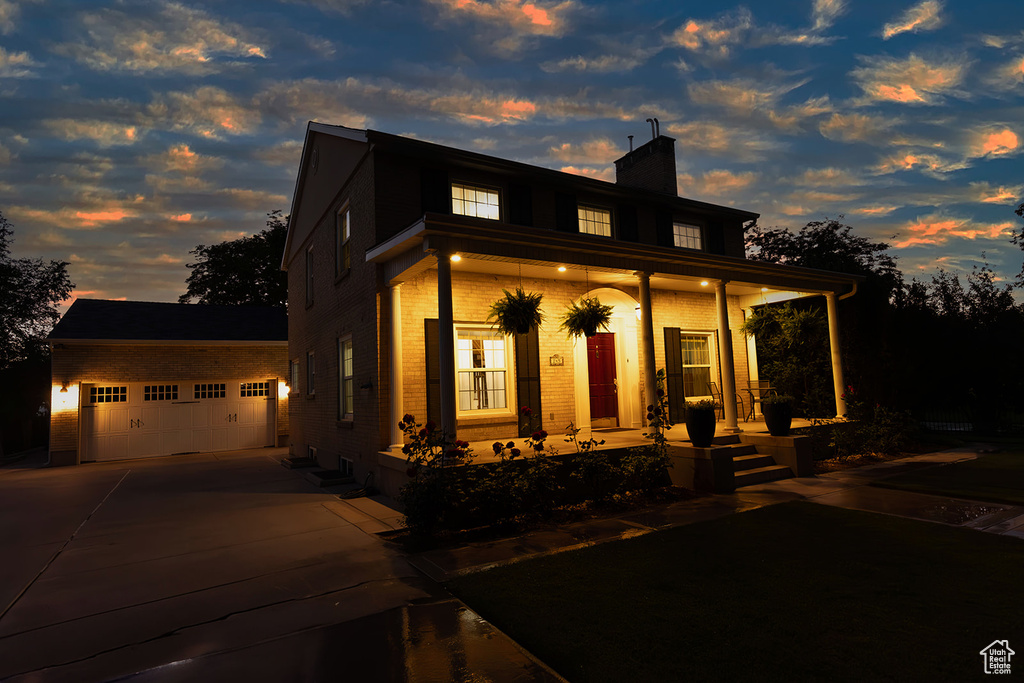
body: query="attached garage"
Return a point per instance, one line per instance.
(140, 379)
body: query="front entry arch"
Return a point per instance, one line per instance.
(626, 398)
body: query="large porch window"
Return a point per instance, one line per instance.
(482, 360)
(696, 362)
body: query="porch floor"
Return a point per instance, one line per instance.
(621, 438)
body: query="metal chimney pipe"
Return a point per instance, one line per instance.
(651, 121)
(630, 142)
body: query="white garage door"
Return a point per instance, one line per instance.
(152, 419)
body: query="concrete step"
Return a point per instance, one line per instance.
(324, 478)
(297, 461)
(761, 475)
(725, 439)
(751, 461)
(743, 449)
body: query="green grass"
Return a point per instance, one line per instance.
(997, 478)
(796, 591)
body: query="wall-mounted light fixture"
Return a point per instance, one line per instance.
(638, 312)
(64, 388)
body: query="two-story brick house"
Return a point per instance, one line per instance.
(397, 248)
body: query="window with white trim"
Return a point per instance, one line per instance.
(687, 236)
(696, 357)
(108, 394)
(310, 372)
(294, 376)
(251, 389)
(483, 358)
(160, 392)
(346, 379)
(595, 220)
(342, 253)
(209, 391)
(480, 202)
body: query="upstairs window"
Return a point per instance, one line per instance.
(342, 257)
(595, 221)
(310, 373)
(479, 202)
(687, 236)
(346, 379)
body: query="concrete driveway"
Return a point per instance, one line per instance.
(217, 567)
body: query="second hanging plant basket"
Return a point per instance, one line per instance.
(586, 317)
(518, 312)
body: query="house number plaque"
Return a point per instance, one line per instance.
(556, 360)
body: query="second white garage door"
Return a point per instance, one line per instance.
(152, 419)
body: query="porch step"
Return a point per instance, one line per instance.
(726, 440)
(297, 461)
(761, 475)
(742, 463)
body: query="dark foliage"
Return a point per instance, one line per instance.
(29, 305)
(246, 271)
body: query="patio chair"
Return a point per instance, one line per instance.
(716, 394)
(756, 391)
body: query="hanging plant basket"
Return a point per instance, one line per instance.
(517, 313)
(586, 318)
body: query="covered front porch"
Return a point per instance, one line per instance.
(449, 269)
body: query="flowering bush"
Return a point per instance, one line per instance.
(435, 488)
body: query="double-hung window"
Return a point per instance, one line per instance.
(595, 220)
(696, 357)
(482, 360)
(346, 379)
(342, 232)
(471, 200)
(687, 236)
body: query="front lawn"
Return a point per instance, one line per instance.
(997, 478)
(796, 591)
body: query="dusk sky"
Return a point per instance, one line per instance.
(132, 131)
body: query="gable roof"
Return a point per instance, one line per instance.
(146, 321)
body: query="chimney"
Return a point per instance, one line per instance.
(651, 166)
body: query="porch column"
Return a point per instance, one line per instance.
(725, 347)
(397, 380)
(446, 343)
(837, 364)
(751, 356)
(647, 339)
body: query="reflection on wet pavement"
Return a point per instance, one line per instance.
(434, 641)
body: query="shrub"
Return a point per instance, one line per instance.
(643, 468)
(435, 486)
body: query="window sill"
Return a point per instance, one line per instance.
(310, 396)
(342, 275)
(474, 421)
(347, 423)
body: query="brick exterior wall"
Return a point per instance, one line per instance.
(75, 364)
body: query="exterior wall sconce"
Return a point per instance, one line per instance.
(64, 388)
(639, 313)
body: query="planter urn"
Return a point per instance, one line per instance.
(700, 426)
(778, 417)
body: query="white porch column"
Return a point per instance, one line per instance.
(446, 343)
(397, 380)
(727, 362)
(647, 340)
(837, 364)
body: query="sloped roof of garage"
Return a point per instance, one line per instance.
(146, 321)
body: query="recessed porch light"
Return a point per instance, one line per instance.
(703, 283)
(561, 269)
(764, 289)
(456, 258)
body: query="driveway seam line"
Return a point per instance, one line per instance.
(56, 554)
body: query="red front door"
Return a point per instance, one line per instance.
(601, 367)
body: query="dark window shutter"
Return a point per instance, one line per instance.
(567, 218)
(663, 224)
(520, 205)
(674, 375)
(715, 238)
(628, 230)
(433, 346)
(435, 191)
(528, 380)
